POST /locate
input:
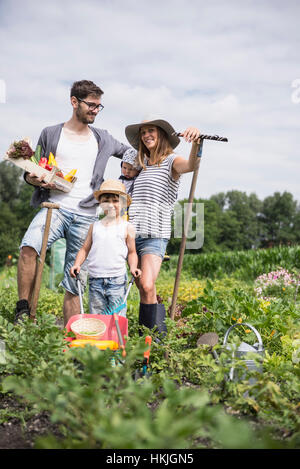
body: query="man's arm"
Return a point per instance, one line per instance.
(119, 148)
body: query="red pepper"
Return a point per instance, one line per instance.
(44, 164)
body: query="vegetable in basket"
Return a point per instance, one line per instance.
(21, 149)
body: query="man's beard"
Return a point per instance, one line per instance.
(83, 118)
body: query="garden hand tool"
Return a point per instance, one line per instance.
(148, 341)
(205, 137)
(118, 306)
(196, 151)
(143, 372)
(122, 346)
(211, 339)
(41, 259)
(79, 292)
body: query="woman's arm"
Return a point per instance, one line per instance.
(180, 164)
(132, 258)
(82, 253)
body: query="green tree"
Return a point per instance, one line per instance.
(237, 221)
(280, 217)
(15, 209)
(246, 209)
(11, 181)
(211, 230)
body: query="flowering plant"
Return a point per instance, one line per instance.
(274, 284)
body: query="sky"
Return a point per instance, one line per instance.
(229, 68)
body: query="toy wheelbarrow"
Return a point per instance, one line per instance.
(100, 330)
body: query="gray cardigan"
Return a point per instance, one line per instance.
(107, 146)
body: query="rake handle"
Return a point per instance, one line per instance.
(205, 137)
(79, 292)
(41, 260)
(128, 289)
(199, 145)
(122, 346)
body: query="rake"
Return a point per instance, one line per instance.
(196, 151)
(115, 309)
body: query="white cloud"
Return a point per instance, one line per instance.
(225, 67)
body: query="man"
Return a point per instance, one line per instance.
(76, 145)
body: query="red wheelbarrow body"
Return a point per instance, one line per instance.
(110, 333)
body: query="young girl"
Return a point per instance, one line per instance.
(110, 241)
(153, 198)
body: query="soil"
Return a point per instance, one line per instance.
(14, 434)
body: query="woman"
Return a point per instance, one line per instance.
(153, 198)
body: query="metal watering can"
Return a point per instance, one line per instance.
(242, 350)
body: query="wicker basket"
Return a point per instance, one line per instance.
(88, 328)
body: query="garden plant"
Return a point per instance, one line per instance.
(186, 400)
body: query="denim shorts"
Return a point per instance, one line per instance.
(155, 246)
(105, 294)
(64, 224)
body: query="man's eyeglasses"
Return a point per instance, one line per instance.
(92, 106)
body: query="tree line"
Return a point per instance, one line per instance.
(232, 220)
(237, 221)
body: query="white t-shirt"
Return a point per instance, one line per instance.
(81, 156)
(108, 254)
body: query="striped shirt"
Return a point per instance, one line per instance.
(153, 198)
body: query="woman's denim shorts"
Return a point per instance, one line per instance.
(155, 246)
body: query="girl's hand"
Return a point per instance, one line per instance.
(191, 134)
(74, 270)
(136, 272)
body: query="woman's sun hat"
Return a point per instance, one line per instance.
(113, 186)
(132, 132)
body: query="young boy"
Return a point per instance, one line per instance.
(110, 241)
(130, 169)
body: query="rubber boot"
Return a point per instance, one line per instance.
(160, 319)
(22, 311)
(153, 316)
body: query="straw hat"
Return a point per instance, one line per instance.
(132, 132)
(112, 186)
